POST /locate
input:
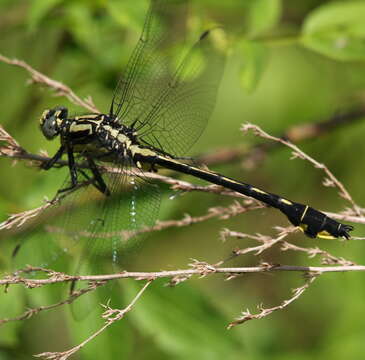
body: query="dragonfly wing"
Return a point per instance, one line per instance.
(178, 116)
(89, 227)
(148, 66)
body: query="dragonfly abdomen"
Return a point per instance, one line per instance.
(311, 221)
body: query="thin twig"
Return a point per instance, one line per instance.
(19, 219)
(331, 179)
(110, 316)
(246, 315)
(11, 148)
(34, 311)
(187, 272)
(59, 88)
(267, 242)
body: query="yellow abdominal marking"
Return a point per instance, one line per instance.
(258, 190)
(304, 212)
(325, 235)
(322, 234)
(285, 201)
(229, 180)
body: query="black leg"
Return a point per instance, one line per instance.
(73, 170)
(72, 166)
(99, 181)
(48, 164)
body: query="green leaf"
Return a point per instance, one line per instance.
(337, 30)
(38, 10)
(255, 56)
(263, 15)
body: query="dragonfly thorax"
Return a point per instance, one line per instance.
(98, 130)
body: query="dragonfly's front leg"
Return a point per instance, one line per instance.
(48, 164)
(71, 164)
(72, 168)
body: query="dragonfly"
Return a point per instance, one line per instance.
(156, 115)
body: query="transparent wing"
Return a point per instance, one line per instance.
(169, 105)
(88, 229)
(132, 206)
(148, 65)
(177, 117)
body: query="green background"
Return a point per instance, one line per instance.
(291, 62)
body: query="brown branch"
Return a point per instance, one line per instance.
(267, 242)
(246, 315)
(17, 220)
(331, 179)
(18, 153)
(34, 311)
(139, 275)
(59, 88)
(11, 147)
(347, 215)
(110, 316)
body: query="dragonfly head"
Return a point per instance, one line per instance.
(51, 121)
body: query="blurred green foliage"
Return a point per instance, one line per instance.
(291, 62)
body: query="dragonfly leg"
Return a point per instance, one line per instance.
(73, 170)
(48, 164)
(99, 182)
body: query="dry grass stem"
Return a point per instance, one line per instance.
(263, 312)
(331, 180)
(59, 88)
(110, 316)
